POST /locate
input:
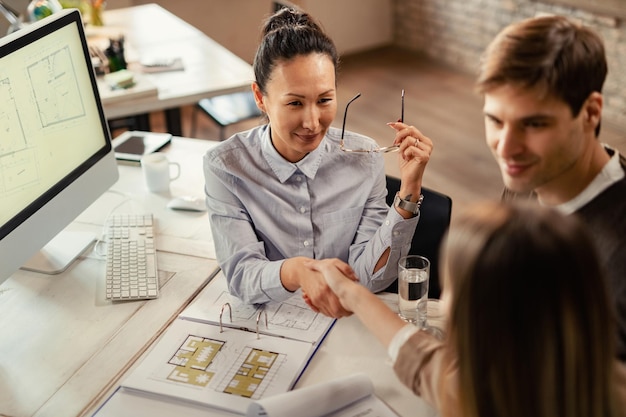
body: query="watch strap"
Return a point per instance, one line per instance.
(407, 205)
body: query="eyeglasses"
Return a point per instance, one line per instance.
(384, 149)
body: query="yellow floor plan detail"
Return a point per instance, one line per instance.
(251, 373)
(193, 359)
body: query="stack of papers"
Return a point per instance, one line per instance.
(140, 87)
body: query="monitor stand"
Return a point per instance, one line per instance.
(60, 252)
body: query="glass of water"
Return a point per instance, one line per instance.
(413, 274)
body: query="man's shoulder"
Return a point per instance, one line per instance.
(608, 207)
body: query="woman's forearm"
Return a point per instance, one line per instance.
(379, 319)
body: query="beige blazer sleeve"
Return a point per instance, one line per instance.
(421, 365)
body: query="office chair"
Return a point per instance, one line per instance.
(435, 214)
(226, 110)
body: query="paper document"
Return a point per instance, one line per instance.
(141, 88)
(351, 396)
(228, 370)
(292, 318)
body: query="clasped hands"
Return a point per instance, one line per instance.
(325, 286)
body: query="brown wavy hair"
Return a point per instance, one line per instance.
(530, 322)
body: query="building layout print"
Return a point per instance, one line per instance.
(288, 315)
(195, 364)
(251, 373)
(11, 131)
(293, 316)
(193, 359)
(54, 93)
(227, 368)
(58, 99)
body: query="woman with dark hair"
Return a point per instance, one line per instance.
(529, 327)
(287, 192)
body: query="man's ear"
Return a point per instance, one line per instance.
(258, 97)
(593, 110)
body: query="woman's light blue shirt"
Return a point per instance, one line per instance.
(264, 209)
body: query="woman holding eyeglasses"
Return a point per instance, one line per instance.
(286, 192)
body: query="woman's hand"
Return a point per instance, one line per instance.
(297, 273)
(354, 297)
(413, 155)
(339, 277)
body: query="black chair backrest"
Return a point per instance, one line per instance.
(435, 214)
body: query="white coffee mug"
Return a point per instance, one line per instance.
(158, 172)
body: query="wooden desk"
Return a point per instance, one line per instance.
(150, 31)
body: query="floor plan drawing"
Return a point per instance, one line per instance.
(251, 374)
(58, 99)
(292, 318)
(225, 369)
(193, 359)
(194, 365)
(10, 124)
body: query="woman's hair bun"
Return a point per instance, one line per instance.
(289, 17)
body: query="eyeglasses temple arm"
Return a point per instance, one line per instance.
(345, 114)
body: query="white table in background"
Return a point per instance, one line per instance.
(152, 32)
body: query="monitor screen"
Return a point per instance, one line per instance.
(55, 148)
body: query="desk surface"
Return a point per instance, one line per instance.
(62, 343)
(65, 348)
(151, 32)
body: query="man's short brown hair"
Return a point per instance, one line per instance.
(566, 58)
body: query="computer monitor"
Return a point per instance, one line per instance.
(56, 156)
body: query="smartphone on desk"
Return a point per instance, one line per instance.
(132, 145)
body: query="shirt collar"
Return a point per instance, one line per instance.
(284, 169)
(610, 174)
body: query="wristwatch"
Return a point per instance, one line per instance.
(408, 205)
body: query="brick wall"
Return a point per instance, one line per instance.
(457, 31)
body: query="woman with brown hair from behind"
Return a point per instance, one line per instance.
(529, 331)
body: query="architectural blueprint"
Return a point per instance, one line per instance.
(225, 369)
(292, 318)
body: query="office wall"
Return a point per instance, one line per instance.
(236, 24)
(457, 31)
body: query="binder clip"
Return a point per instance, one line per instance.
(230, 313)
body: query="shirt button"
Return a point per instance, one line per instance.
(306, 243)
(387, 222)
(299, 179)
(302, 210)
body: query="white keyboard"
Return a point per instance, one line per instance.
(131, 270)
